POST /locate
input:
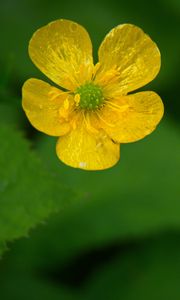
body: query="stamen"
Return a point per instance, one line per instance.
(66, 104)
(77, 99)
(63, 113)
(55, 93)
(116, 107)
(64, 109)
(105, 122)
(110, 76)
(87, 121)
(73, 124)
(73, 121)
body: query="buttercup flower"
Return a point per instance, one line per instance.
(91, 110)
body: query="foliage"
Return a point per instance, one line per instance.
(69, 234)
(28, 192)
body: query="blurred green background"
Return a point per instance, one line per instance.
(70, 234)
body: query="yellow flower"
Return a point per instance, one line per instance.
(92, 111)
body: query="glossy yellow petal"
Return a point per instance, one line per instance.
(62, 50)
(132, 117)
(128, 59)
(81, 149)
(45, 107)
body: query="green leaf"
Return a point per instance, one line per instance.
(137, 197)
(28, 192)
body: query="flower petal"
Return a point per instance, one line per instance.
(42, 104)
(63, 51)
(128, 59)
(80, 149)
(132, 117)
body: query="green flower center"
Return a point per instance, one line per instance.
(91, 96)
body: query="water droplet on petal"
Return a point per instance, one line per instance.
(82, 164)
